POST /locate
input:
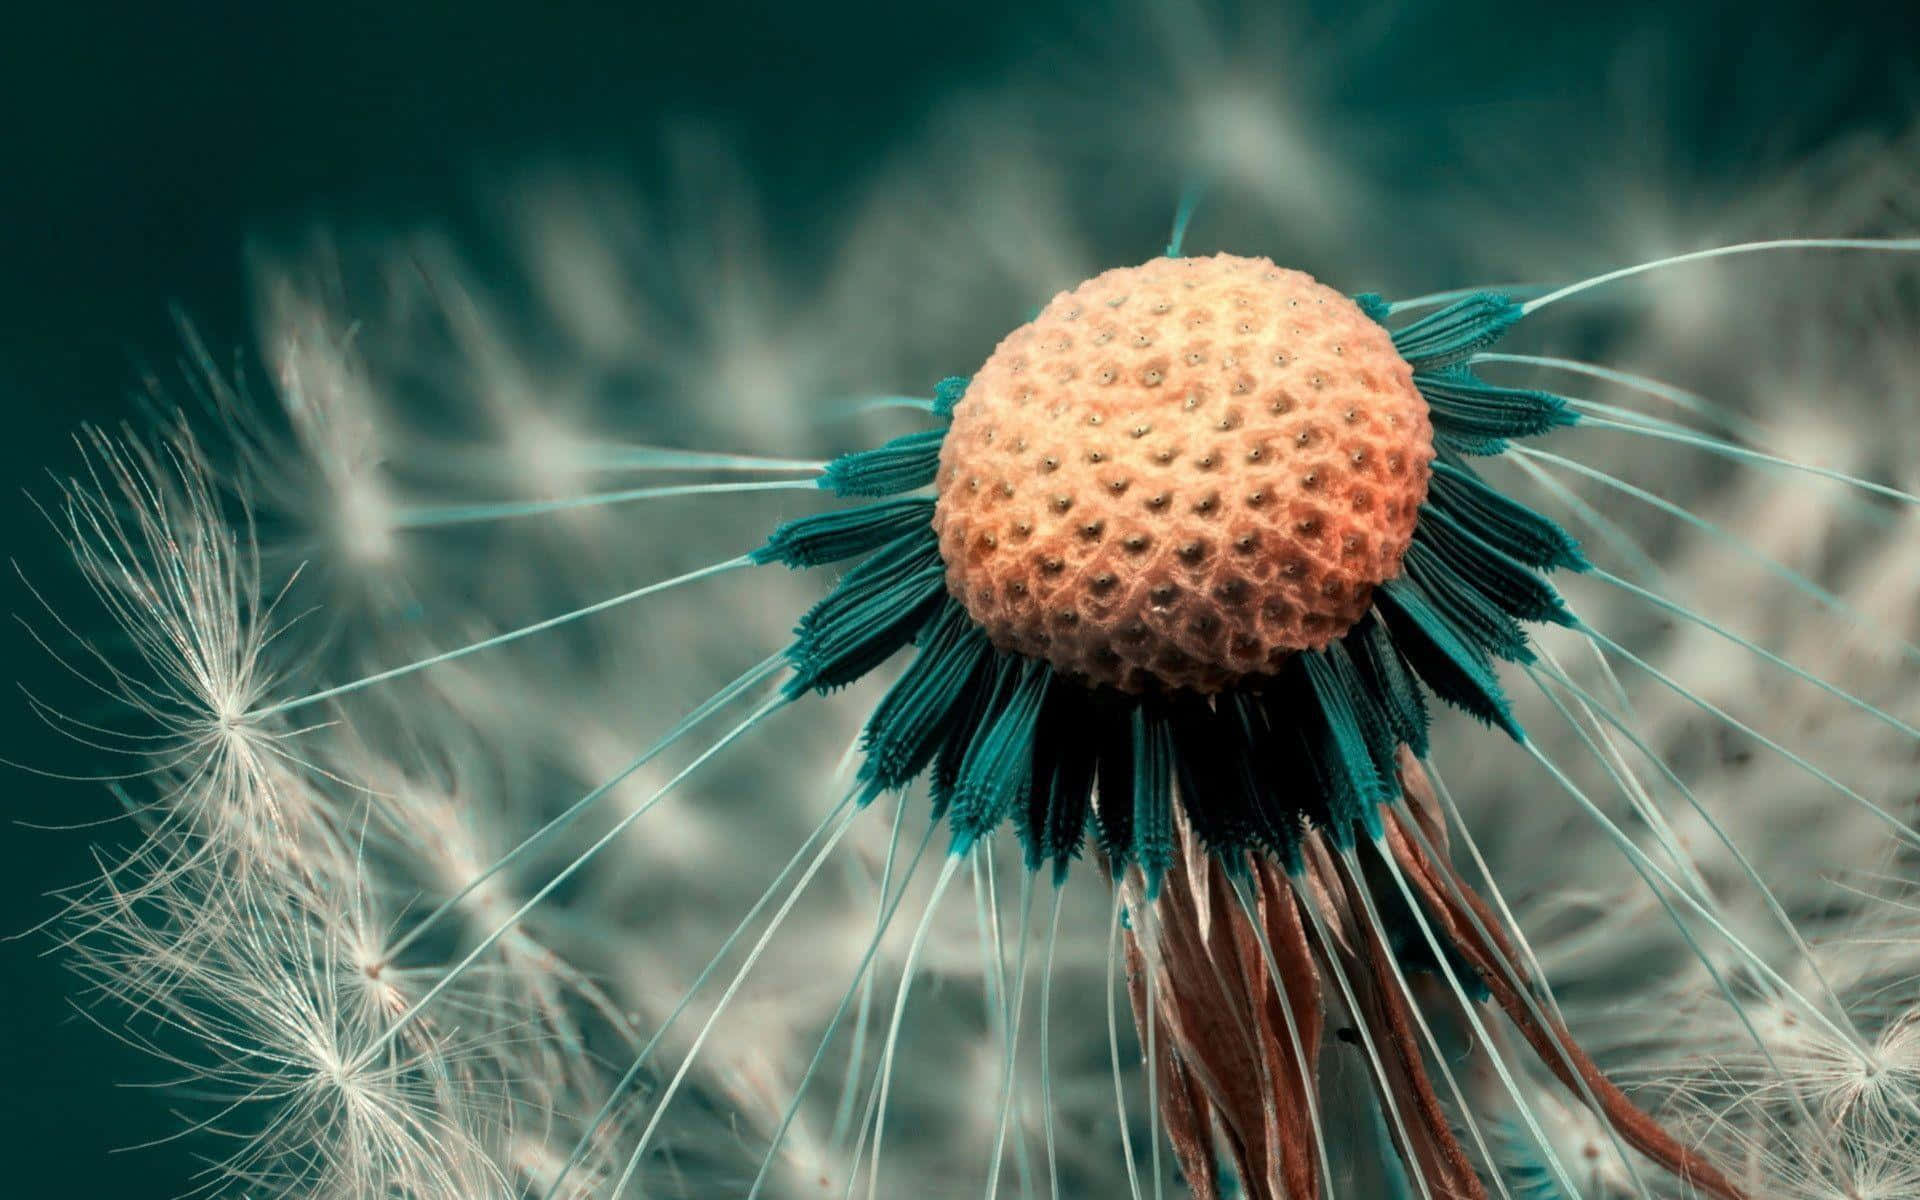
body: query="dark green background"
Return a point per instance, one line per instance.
(140, 145)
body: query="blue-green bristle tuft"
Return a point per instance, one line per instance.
(1391, 681)
(1519, 592)
(1292, 750)
(966, 718)
(1112, 734)
(1272, 756)
(901, 465)
(1152, 795)
(1218, 788)
(1448, 660)
(907, 727)
(876, 609)
(827, 537)
(998, 762)
(1475, 613)
(1456, 331)
(1060, 786)
(948, 393)
(1370, 709)
(1348, 763)
(1506, 525)
(1472, 416)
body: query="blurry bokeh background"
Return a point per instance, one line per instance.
(145, 148)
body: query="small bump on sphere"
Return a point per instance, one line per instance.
(1180, 473)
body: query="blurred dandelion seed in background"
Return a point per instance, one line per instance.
(454, 877)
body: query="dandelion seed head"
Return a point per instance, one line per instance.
(1182, 472)
(483, 992)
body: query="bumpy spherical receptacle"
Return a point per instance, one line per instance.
(1180, 473)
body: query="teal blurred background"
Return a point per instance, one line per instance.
(143, 146)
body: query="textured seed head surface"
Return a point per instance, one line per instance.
(1180, 473)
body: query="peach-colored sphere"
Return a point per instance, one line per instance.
(1180, 473)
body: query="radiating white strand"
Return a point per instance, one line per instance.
(753, 957)
(1150, 961)
(1597, 711)
(1436, 299)
(1827, 599)
(1013, 1041)
(1574, 289)
(573, 811)
(640, 1060)
(1046, 1058)
(614, 456)
(1648, 870)
(1113, 1038)
(863, 974)
(1471, 1011)
(850, 1086)
(1844, 1032)
(1001, 1016)
(1647, 428)
(1521, 986)
(986, 918)
(1687, 614)
(1610, 531)
(438, 516)
(1465, 833)
(566, 873)
(1358, 884)
(1680, 398)
(1331, 955)
(1899, 827)
(1622, 774)
(893, 1030)
(512, 635)
(1700, 905)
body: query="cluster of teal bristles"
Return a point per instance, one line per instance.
(1003, 737)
